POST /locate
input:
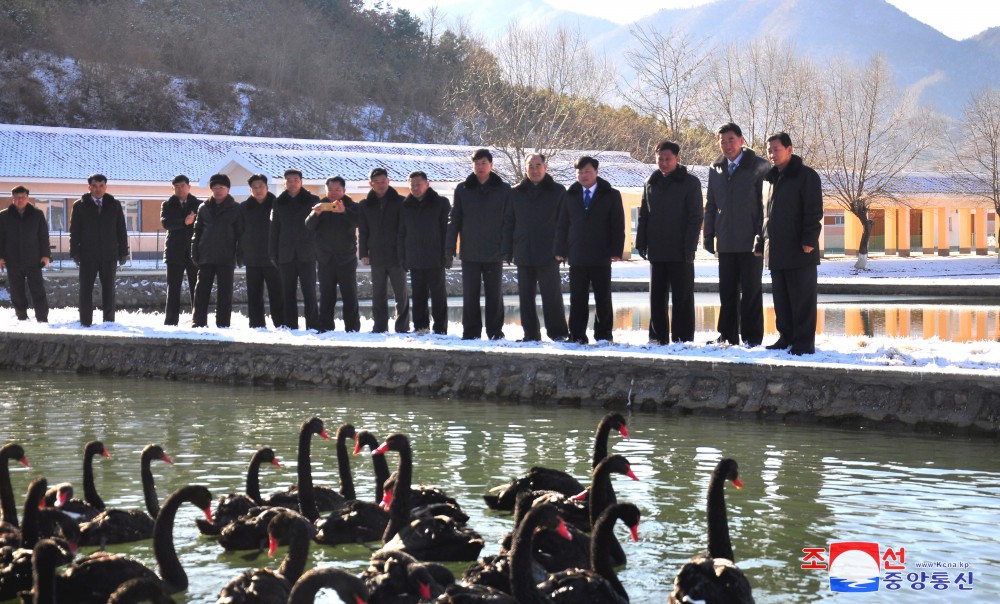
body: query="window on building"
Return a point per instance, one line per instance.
(55, 213)
(131, 207)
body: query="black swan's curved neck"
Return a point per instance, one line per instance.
(399, 509)
(43, 563)
(148, 484)
(600, 547)
(307, 497)
(344, 462)
(29, 524)
(379, 464)
(295, 560)
(171, 571)
(522, 584)
(609, 421)
(253, 474)
(89, 488)
(8, 506)
(602, 492)
(719, 543)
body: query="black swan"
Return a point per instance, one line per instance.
(357, 521)
(126, 526)
(135, 591)
(15, 572)
(494, 571)
(438, 538)
(556, 556)
(715, 577)
(232, 506)
(349, 588)
(398, 578)
(263, 585)
(599, 584)
(522, 583)
(91, 505)
(546, 479)
(8, 507)
(250, 530)
(94, 578)
(302, 496)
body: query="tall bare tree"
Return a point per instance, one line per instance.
(872, 136)
(670, 70)
(535, 92)
(977, 147)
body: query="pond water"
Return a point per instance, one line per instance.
(937, 498)
(952, 319)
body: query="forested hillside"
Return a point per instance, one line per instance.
(292, 68)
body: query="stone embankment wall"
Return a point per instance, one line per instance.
(828, 395)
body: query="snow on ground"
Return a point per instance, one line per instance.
(903, 354)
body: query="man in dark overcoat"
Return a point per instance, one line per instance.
(529, 234)
(378, 235)
(177, 216)
(423, 230)
(260, 270)
(98, 243)
(734, 216)
(215, 248)
(791, 244)
(590, 234)
(670, 219)
(293, 250)
(24, 251)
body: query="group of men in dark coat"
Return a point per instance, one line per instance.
(536, 225)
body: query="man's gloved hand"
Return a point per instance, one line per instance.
(710, 245)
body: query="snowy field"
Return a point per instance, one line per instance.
(907, 355)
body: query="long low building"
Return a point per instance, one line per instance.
(54, 164)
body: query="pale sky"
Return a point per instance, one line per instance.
(958, 19)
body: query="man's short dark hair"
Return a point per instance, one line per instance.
(481, 153)
(96, 178)
(540, 156)
(337, 179)
(730, 127)
(255, 177)
(786, 141)
(418, 174)
(671, 146)
(19, 190)
(376, 172)
(292, 172)
(180, 178)
(586, 160)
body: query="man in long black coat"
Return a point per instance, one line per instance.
(292, 249)
(734, 216)
(378, 235)
(590, 234)
(260, 270)
(423, 228)
(335, 221)
(791, 244)
(215, 248)
(667, 235)
(177, 216)
(98, 243)
(528, 236)
(477, 216)
(24, 250)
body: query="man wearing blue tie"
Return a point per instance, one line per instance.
(98, 242)
(590, 234)
(734, 219)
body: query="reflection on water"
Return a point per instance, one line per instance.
(836, 316)
(805, 487)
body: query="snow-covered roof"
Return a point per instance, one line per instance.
(74, 154)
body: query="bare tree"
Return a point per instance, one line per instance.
(977, 147)
(534, 93)
(669, 73)
(872, 135)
